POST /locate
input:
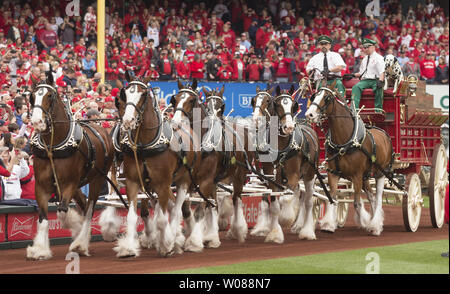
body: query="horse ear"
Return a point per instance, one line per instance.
(33, 81)
(292, 90)
(147, 79)
(278, 90)
(258, 89)
(50, 80)
(333, 85)
(271, 90)
(117, 102)
(172, 100)
(295, 107)
(32, 99)
(205, 91)
(222, 90)
(127, 76)
(194, 85)
(122, 95)
(119, 84)
(180, 85)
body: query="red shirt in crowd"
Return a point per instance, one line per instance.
(253, 71)
(282, 67)
(196, 68)
(183, 70)
(428, 68)
(49, 37)
(27, 185)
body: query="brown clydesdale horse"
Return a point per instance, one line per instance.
(154, 157)
(189, 113)
(230, 143)
(354, 152)
(81, 154)
(293, 158)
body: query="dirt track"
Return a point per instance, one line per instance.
(103, 260)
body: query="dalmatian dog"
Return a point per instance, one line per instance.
(393, 71)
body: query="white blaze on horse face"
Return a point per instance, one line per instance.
(312, 112)
(289, 123)
(133, 96)
(257, 111)
(177, 117)
(37, 119)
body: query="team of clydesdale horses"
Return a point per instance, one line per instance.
(195, 151)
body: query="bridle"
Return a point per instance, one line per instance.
(213, 111)
(48, 113)
(192, 92)
(140, 111)
(285, 96)
(266, 112)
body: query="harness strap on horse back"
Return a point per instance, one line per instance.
(90, 163)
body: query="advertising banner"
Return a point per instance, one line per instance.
(238, 96)
(440, 93)
(22, 226)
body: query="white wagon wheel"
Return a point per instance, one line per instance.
(412, 203)
(342, 213)
(438, 183)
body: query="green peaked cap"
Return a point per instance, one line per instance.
(324, 38)
(366, 41)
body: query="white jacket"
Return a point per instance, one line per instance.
(12, 183)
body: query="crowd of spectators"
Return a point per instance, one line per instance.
(235, 40)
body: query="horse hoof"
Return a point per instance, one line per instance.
(34, 253)
(78, 248)
(307, 236)
(145, 242)
(123, 252)
(167, 253)
(127, 255)
(327, 231)
(212, 244)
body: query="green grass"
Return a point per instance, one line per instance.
(411, 258)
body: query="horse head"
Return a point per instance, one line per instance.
(42, 100)
(284, 107)
(261, 104)
(321, 103)
(184, 102)
(132, 101)
(215, 104)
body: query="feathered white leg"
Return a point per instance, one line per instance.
(276, 233)
(239, 228)
(375, 225)
(211, 237)
(128, 245)
(262, 224)
(110, 224)
(81, 243)
(41, 243)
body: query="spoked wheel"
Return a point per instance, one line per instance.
(437, 185)
(412, 203)
(342, 213)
